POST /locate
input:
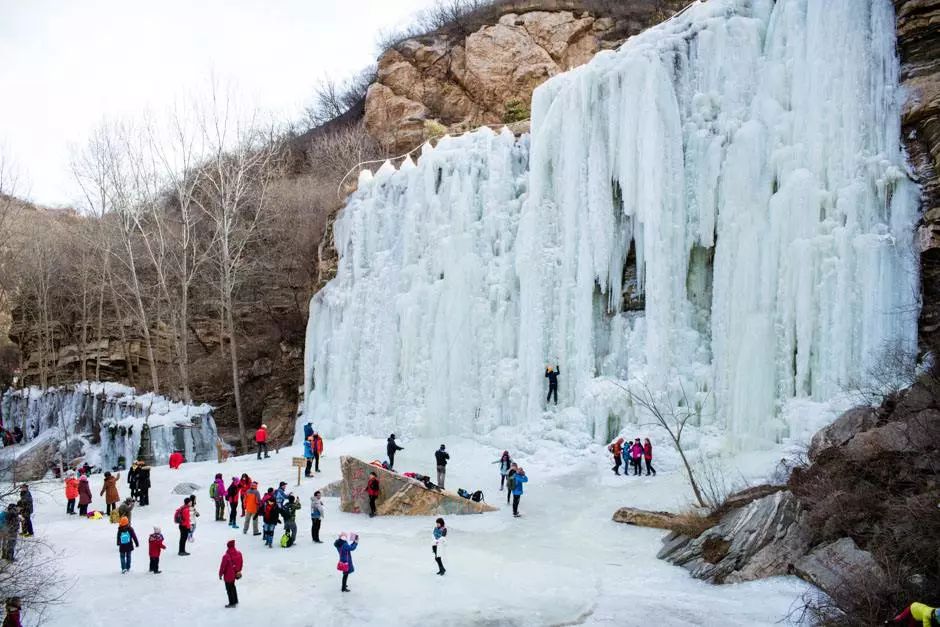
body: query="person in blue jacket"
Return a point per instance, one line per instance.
(517, 482)
(345, 549)
(308, 454)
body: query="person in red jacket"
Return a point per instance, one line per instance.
(372, 489)
(176, 459)
(244, 484)
(229, 570)
(71, 492)
(261, 440)
(182, 518)
(648, 457)
(155, 546)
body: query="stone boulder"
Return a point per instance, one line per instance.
(913, 433)
(843, 429)
(399, 495)
(32, 460)
(644, 518)
(757, 540)
(834, 567)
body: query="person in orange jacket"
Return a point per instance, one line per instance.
(252, 504)
(71, 492)
(316, 442)
(616, 449)
(261, 440)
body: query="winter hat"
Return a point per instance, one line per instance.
(157, 530)
(234, 478)
(264, 426)
(124, 521)
(230, 544)
(70, 473)
(283, 483)
(254, 484)
(218, 475)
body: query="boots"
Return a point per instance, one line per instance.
(440, 565)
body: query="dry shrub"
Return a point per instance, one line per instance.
(693, 522)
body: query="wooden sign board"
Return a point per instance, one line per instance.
(299, 462)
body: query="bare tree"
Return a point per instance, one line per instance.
(673, 417)
(242, 160)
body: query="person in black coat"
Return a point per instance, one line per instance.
(391, 448)
(132, 475)
(441, 457)
(552, 375)
(143, 485)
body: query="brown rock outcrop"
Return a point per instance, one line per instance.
(644, 518)
(918, 33)
(487, 76)
(399, 495)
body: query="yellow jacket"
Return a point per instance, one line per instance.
(922, 613)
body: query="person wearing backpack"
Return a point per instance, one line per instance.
(155, 545)
(519, 479)
(648, 457)
(616, 449)
(440, 539)
(182, 519)
(271, 518)
(441, 457)
(230, 570)
(217, 494)
(71, 492)
(84, 494)
(391, 447)
(110, 492)
(345, 548)
(231, 495)
(505, 462)
(511, 480)
(126, 541)
(317, 512)
(252, 503)
(291, 505)
(372, 489)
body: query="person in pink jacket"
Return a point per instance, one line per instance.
(230, 570)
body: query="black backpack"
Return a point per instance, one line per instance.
(477, 496)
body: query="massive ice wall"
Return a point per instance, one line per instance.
(719, 207)
(104, 422)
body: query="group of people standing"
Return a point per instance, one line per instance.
(636, 453)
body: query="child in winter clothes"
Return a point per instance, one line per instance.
(193, 515)
(317, 512)
(217, 494)
(71, 492)
(126, 541)
(84, 494)
(505, 463)
(440, 539)
(291, 505)
(156, 545)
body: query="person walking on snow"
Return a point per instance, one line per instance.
(230, 570)
(616, 449)
(280, 495)
(291, 505)
(132, 479)
(71, 492)
(183, 520)
(317, 513)
(505, 463)
(917, 614)
(25, 505)
(194, 514)
(126, 541)
(261, 441)
(511, 480)
(217, 494)
(552, 375)
(391, 447)
(110, 492)
(519, 479)
(270, 518)
(155, 545)
(244, 484)
(231, 495)
(372, 489)
(648, 457)
(84, 494)
(316, 441)
(252, 503)
(440, 539)
(441, 457)
(636, 454)
(143, 485)
(345, 548)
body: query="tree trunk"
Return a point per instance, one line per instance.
(233, 351)
(100, 331)
(688, 470)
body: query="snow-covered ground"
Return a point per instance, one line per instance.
(563, 562)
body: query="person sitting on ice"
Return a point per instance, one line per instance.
(552, 375)
(917, 614)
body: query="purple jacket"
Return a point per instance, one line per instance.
(219, 489)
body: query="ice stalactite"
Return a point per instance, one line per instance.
(720, 205)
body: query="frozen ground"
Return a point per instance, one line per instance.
(564, 562)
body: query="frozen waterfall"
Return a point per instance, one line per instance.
(720, 206)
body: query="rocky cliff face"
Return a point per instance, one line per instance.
(918, 32)
(487, 77)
